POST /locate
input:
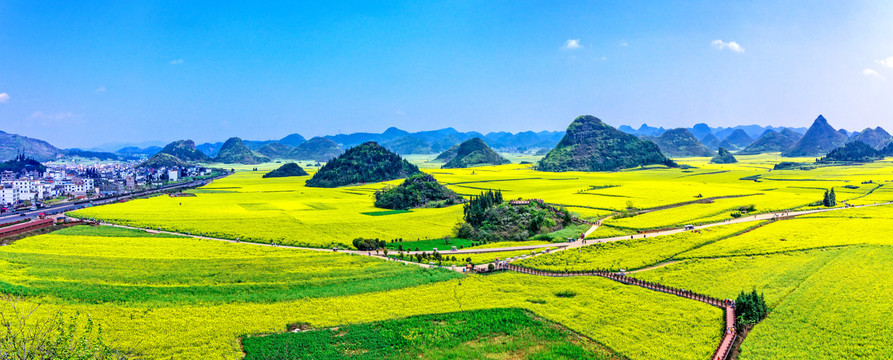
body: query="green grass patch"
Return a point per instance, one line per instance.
(442, 245)
(383, 213)
(110, 231)
(481, 334)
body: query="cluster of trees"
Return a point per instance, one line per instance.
(488, 218)
(476, 210)
(744, 210)
(368, 244)
(830, 199)
(435, 256)
(856, 151)
(750, 308)
(21, 162)
(416, 191)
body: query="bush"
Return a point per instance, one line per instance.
(23, 336)
(566, 293)
(368, 244)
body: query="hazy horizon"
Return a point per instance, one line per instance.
(82, 75)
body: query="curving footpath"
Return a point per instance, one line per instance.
(729, 335)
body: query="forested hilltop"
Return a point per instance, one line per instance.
(591, 145)
(365, 163)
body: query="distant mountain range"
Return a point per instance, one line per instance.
(701, 130)
(748, 139)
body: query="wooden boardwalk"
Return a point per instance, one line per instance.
(728, 340)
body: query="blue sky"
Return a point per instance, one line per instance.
(82, 74)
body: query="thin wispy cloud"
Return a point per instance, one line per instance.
(56, 116)
(100, 89)
(623, 43)
(572, 44)
(4, 97)
(176, 62)
(888, 62)
(731, 45)
(872, 73)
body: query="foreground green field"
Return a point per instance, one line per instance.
(495, 333)
(180, 310)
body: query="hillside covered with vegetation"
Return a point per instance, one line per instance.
(162, 160)
(772, 141)
(234, 151)
(591, 145)
(22, 162)
(723, 156)
(316, 149)
(184, 150)
(12, 145)
(474, 152)
(275, 150)
(286, 170)
(364, 163)
(818, 140)
(855, 151)
(419, 190)
(489, 218)
(681, 143)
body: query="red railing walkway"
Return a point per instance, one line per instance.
(725, 345)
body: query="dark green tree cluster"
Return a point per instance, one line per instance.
(750, 308)
(830, 199)
(476, 209)
(855, 151)
(416, 191)
(21, 162)
(368, 162)
(488, 219)
(368, 244)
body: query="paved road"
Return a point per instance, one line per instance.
(533, 248)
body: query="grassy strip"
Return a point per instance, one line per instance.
(480, 334)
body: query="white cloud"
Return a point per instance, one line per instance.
(731, 45)
(873, 73)
(176, 61)
(100, 89)
(4, 97)
(623, 43)
(56, 116)
(888, 62)
(572, 44)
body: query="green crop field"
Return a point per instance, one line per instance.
(630, 254)
(169, 296)
(496, 333)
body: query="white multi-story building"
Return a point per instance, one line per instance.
(8, 195)
(173, 175)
